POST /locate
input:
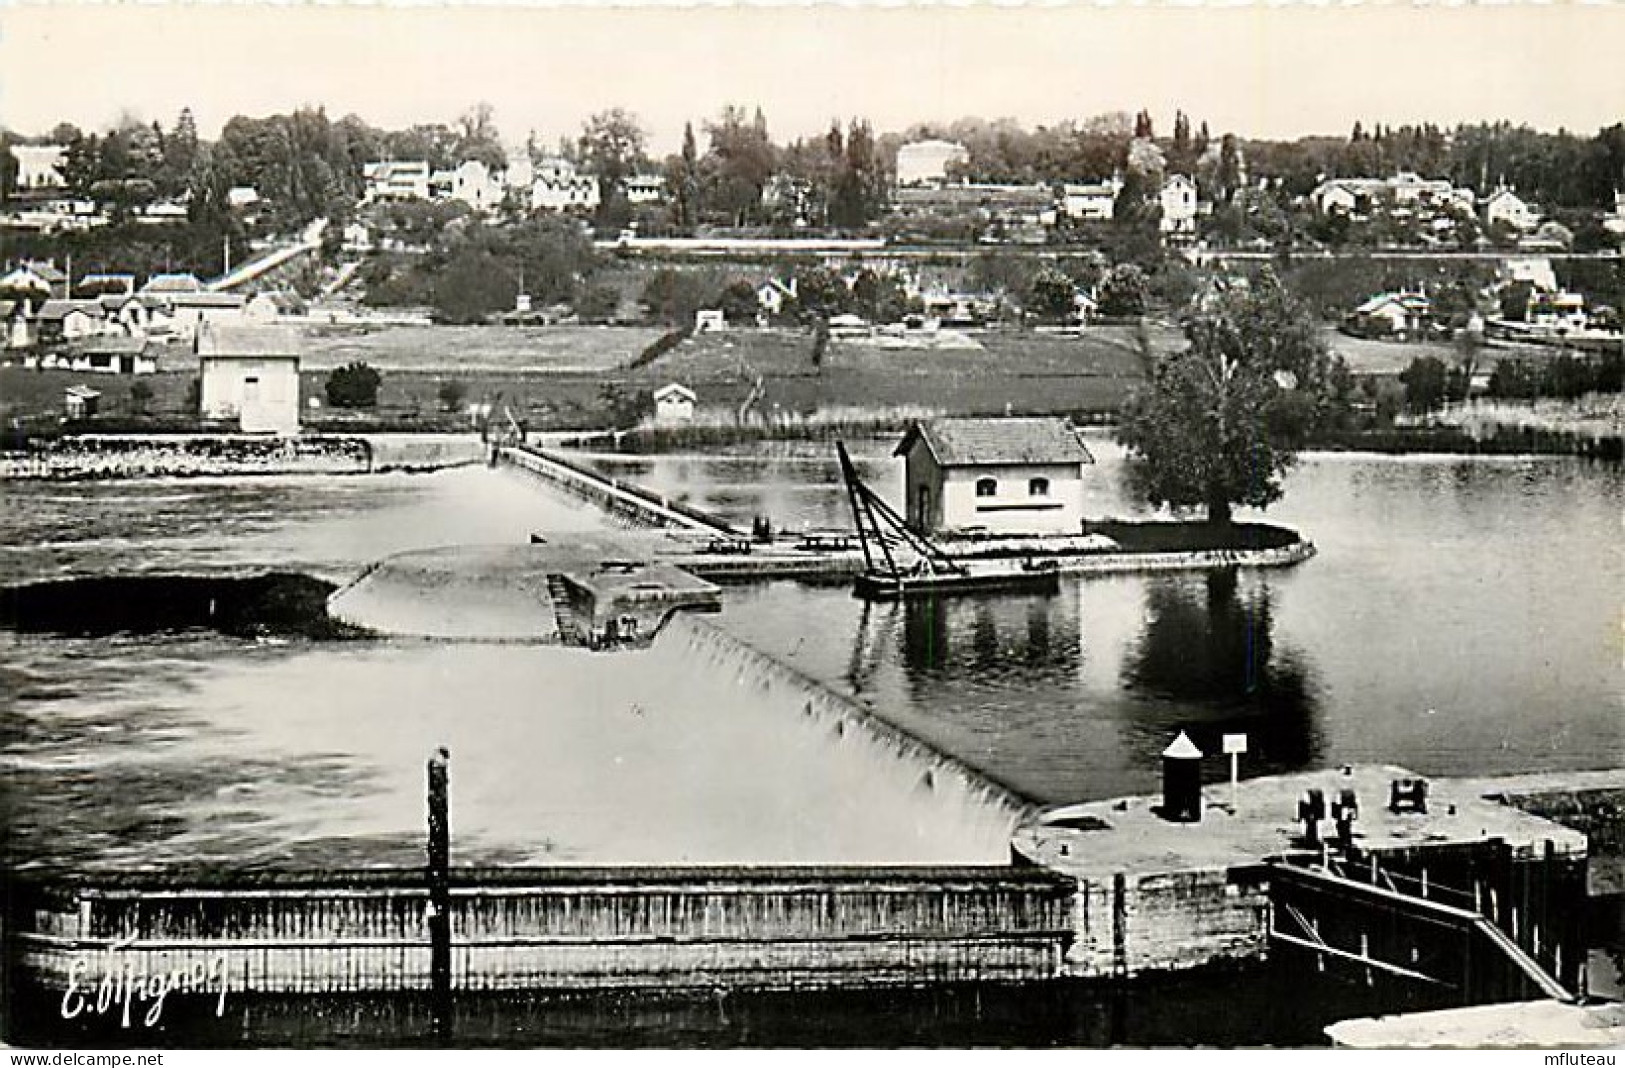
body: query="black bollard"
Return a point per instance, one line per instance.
(439, 877)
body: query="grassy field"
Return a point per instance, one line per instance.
(1021, 371)
(1368, 356)
(555, 377)
(476, 349)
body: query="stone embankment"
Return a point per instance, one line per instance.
(114, 456)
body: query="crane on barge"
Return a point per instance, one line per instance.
(898, 561)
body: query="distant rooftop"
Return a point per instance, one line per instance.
(172, 283)
(216, 340)
(970, 442)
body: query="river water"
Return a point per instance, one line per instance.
(1461, 618)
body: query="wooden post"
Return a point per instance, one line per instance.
(1119, 924)
(439, 878)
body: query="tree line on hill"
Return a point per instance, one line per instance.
(303, 162)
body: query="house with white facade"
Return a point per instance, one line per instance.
(250, 374)
(406, 179)
(1560, 313)
(1340, 197)
(1395, 315)
(1092, 201)
(110, 356)
(927, 162)
(80, 402)
(44, 279)
(471, 182)
(1549, 236)
(559, 187)
(16, 329)
(1178, 201)
(161, 212)
(645, 189)
(1536, 270)
(1405, 191)
(1005, 475)
(39, 166)
(1509, 209)
(674, 403)
(128, 313)
(773, 294)
(69, 320)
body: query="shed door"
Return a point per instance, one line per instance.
(922, 507)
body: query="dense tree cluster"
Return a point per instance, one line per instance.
(472, 269)
(743, 179)
(1219, 422)
(1565, 376)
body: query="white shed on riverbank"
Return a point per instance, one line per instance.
(251, 374)
(994, 476)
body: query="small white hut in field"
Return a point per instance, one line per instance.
(674, 404)
(994, 475)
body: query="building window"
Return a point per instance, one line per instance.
(1038, 487)
(986, 487)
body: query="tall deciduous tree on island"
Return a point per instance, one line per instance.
(1220, 422)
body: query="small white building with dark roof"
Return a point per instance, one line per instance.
(250, 374)
(674, 403)
(68, 320)
(1001, 475)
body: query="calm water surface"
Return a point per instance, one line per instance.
(1462, 617)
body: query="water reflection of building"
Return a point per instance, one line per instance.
(1207, 661)
(1034, 638)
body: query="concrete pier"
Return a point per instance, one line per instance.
(564, 591)
(1154, 894)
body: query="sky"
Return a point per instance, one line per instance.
(1260, 70)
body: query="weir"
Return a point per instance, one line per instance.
(987, 810)
(624, 500)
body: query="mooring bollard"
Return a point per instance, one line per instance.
(439, 879)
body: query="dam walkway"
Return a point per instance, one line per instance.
(625, 500)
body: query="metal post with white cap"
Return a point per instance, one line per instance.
(1235, 745)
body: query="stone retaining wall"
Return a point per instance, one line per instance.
(95, 456)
